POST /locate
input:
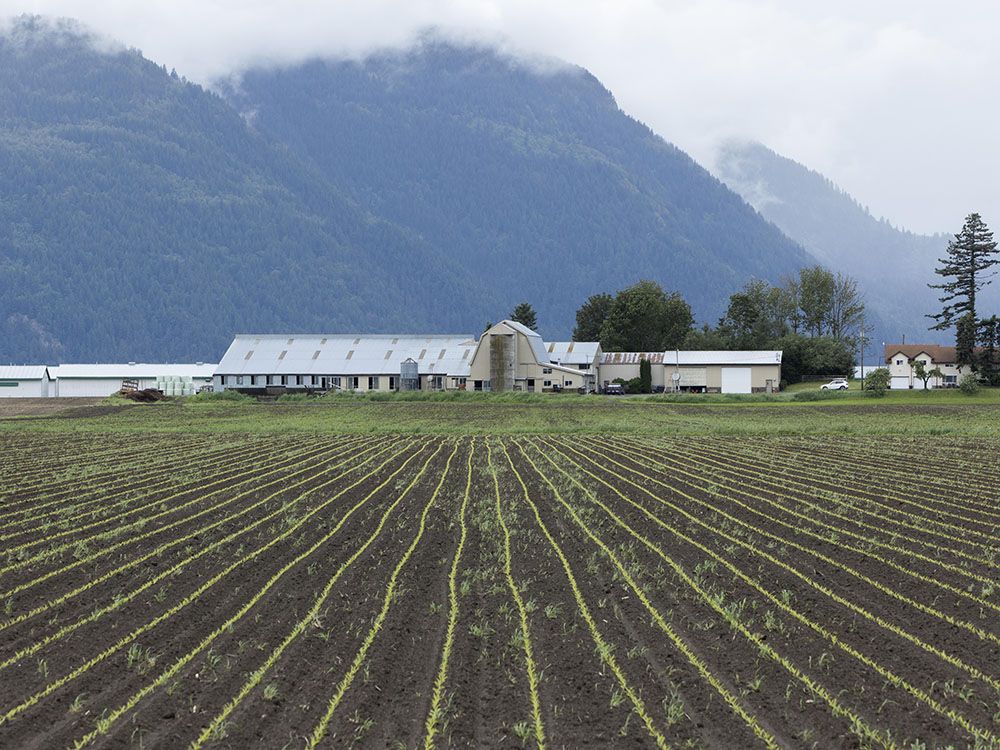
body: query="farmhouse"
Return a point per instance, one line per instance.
(31, 381)
(100, 380)
(506, 357)
(900, 359)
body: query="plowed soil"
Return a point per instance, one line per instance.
(242, 591)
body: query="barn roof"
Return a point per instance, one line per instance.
(695, 358)
(573, 352)
(23, 372)
(346, 354)
(145, 370)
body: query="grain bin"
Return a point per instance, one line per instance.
(409, 375)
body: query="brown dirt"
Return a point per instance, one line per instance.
(487, 700)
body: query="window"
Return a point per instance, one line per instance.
(298, 380)
(546, 371)
(352, 382)
(392, 382)
(349, 354)
(583, 367)
(546, 383)
(316, 354)
(335, 381)
(239, 379)
(249, 354)
(283, 353)
(373, 382)
(284, 380)
(388, 354)
(568, 382)
(899, 361)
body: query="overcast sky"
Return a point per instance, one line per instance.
(895, 100)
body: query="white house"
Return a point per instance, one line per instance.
(25, 381)
(900, 358)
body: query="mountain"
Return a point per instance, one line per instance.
(893, 266)
(141, 219)
(144, 217)
(529, 176)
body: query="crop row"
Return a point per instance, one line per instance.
(674, 591)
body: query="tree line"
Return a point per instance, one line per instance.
(815, 317)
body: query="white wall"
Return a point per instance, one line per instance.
(24, 389)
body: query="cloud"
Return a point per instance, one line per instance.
(891, 100)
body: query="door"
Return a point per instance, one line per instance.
(899, 382)
(736, 380)
(531, 384)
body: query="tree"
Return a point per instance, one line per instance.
(644, 318)
(756, 315)
(524, 314)
(970, 255)
(847, 307)
(813, 357)
(877, 382)
(817, 288)
(921, 372)
(988, 358)
(591, 316)
(645, 376)
(965, 340)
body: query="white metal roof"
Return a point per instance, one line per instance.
(23, 372)
(573, 352)
(346, 354)
(763, 357)
(537, 345)
(699, 358)
(148, 371)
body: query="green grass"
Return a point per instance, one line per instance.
(933, 413)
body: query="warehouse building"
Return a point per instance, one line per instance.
(99, 380)
(506, 357)
(25, 381)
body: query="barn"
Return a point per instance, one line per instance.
(99, 380)
(25, 381)
(507, 356)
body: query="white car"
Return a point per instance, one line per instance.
(837, 384)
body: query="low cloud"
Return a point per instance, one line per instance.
(890, 100)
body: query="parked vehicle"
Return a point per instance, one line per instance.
(837, 384)
(614, 389)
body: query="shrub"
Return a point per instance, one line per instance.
(877, 382)
(969, 384)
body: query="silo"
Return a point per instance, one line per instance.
(409, 375)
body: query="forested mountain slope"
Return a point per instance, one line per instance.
(145, 217)
(533, 178)
(141, 219)
(893, 266)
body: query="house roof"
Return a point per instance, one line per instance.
(939, 354)
(23, 372)
(346, 354)
(573, 352)
(147, 371)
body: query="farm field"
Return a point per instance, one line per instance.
(226, 588)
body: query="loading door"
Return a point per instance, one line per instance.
(736, 380)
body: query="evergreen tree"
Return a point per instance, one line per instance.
(965, 340)
(645, 376)
(988, 358)
(970, 255)
(591, 316)
(524, 314)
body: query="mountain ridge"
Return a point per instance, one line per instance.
(145, 217)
